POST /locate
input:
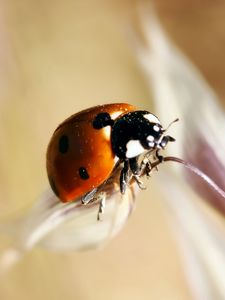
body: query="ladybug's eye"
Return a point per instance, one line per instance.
(156, 128)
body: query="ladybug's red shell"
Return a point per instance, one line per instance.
(80, 157)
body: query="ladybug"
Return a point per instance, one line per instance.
(87, 146)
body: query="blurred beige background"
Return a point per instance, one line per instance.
(56, 58)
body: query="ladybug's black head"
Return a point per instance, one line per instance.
(136, 132)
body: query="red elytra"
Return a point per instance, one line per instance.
(80, 157)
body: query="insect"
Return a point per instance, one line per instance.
(87, 146)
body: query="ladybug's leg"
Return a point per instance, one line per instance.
(134, 166)
(136, 170)
(146, 167)
(89, 197)
(159, 156)
(101, 208)
(124, 176)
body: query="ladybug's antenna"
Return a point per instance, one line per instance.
(174, 121)
(164, 139)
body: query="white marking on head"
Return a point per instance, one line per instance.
(150, 138)
(156, 128)
(152, 118)
(151, 144)
(134, 148)
(151, 141)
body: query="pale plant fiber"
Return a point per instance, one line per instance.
(179, 90)
(70, 226)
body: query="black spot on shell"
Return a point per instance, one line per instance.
(83, 173)
(63, 144)
(102, 120)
